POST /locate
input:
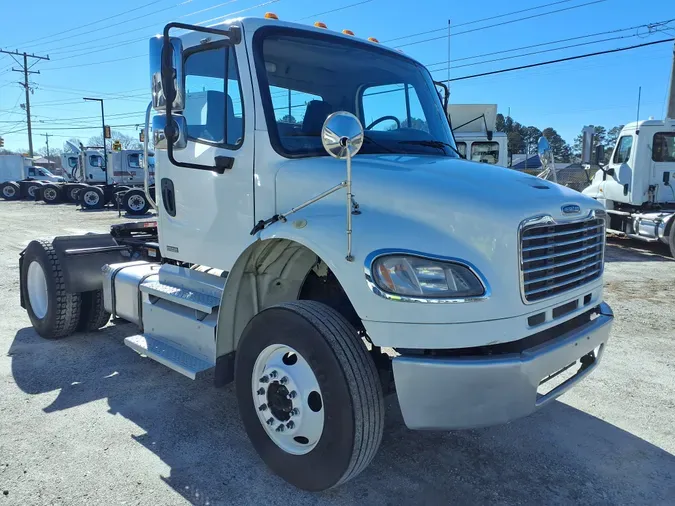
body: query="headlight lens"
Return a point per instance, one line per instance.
(421, 277)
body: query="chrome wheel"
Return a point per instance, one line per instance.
(49, 194)
(73, 194)
(9, 191)
(36, 283)
(91, 198)
(136, 203)
(31, 191)
(288, 399)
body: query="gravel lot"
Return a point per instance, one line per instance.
(86, 420)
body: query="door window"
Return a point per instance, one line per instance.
(663, 148)
(96, 161)
(461, 147)
(622, 153)
(213, 101)
(134, 161)
(72, 162)
(31, 171)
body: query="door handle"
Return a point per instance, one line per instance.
(168, 196)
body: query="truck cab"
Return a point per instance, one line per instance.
(636, 186)
(20, 179)
(320, 243)
(474, 129)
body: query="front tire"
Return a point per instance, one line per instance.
(93, 315)
(135, 202)
(92, 197)
(52, 194)
(10, 191)
(324, 361)
(52, 310)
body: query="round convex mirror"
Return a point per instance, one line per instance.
(342, 131)
(544, 150)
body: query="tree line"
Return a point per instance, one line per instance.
(523, 139)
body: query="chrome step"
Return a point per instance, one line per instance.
(181, 296)
(167, 354)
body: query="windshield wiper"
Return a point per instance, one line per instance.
(382, 146)
(434, 144)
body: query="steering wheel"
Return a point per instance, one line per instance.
(384, 118)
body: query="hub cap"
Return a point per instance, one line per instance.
(288, 399)
(37, 289)
(9, 191)
(49, 194)
(136, 203)
(91, 198)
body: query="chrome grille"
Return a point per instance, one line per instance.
(557, 257)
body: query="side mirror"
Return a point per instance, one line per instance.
(166, 73)
(176, 134)
(599, 154)
(610, 171)
(342, 135)
(546, 158)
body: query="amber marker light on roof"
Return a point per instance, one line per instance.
(271, 15)
(347, 32)
(319, 24)
(373, 39)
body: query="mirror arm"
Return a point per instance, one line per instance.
(146, 176)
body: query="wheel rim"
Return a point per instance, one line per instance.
(91, 198)
(73, 193)
(31, 190)
(49, 194)
(9, 191)
(36, 283)
(288, 399)
(136, 203)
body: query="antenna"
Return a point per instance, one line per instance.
(637, 119)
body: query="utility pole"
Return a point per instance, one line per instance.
(47, 140)
(670, 112)
(25, 69)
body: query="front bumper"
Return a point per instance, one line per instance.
(477, 391)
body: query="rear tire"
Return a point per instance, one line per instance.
(52, 310)
(671, 238)
(135, 202)
(73, 192)
(10, 191)
(92, 197)
(334, 374)
(93, 315)
(52, 194)
(34, 191)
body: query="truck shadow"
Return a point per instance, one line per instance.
(630, 250)
(558, 455)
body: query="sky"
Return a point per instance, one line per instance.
(100, 50)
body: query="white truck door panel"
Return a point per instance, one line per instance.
(206, 217)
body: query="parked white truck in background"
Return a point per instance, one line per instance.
(288, 254)
(475, 135)
(20, 179)
(636, 186)
(96, 180)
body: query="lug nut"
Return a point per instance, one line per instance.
(290, 425)
(262, 407)
(273, 374)
(295, 411)
(270, 421)
(292, 394)
(280, 428)
(264, 379)
(283, 380)
(261, 391)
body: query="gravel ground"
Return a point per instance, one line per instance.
(87, 421)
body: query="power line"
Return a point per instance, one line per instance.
(499, 24)
(346, 7)
(559, 60)
(436, 30)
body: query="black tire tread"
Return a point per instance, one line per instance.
(93, 315)
(362, 379)
(67, 304)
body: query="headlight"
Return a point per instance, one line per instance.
(415, 276)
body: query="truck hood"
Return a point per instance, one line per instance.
(432, 187)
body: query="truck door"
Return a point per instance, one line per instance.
(206, 216)
(617, 186)
(663, 160)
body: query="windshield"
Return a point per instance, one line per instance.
(304, 77)
(45, 172)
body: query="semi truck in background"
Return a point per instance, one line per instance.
(474, 128)
(19, 179)
(288, 257)
(98, 179)
(636, 185)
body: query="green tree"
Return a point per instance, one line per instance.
(289, 119)
(127, 141)
(531, 136)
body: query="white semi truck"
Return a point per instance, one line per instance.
(474, 128)
(19, 179)
(96, 181)
(636, 186)
(287, 255)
